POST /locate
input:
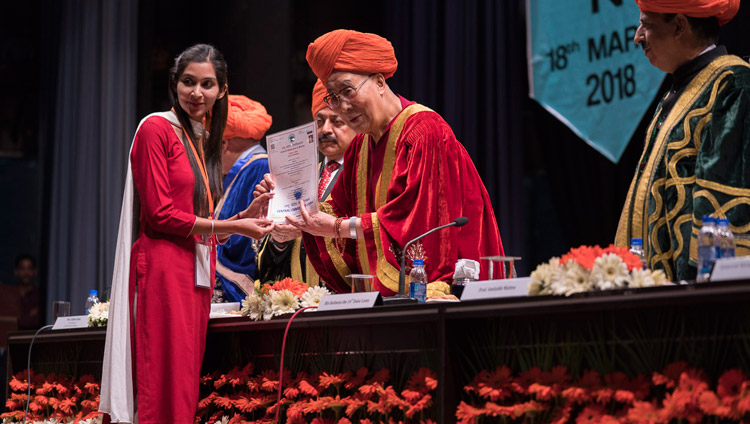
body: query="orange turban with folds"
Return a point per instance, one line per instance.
(723, 10)
(351, 51)
(319, 92)
(246, 119)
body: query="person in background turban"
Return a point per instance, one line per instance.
(405, 174)
(244, 162)
(697, 149)
(283, 253)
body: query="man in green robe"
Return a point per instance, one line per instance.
(696, 159)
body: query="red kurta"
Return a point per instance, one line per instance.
(415, 178)
(171, 313)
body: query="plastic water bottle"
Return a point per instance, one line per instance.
(706, 249)
(636, 248)
(418, 281)
(724, 239)
(91, 300)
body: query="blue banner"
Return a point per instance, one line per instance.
(585, 69)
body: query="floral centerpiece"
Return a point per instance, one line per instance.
(282, 297)
(588, 268)
(98, 314)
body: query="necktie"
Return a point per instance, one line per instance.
(331, 166)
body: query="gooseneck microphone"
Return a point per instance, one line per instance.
(458, 222)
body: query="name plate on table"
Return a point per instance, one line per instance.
(493, 289)
(68, 323)
(727, 269)
(336, 302)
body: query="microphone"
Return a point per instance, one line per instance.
(458, 222)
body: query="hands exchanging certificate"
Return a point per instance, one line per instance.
(293, 159)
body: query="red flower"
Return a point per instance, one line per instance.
(562, 415)
(494, 410)
(381, 377)
(357, 379)
(328, 380)
(645, 413)
(355, 402)
(527, 378)
(420, 383)
(583, 256)
(19, 385)
(419, 406)
(541, 391)
(730, 383)
(308, 389)
(743, 399)
(630, 259)
(671, 374)
(710, 404)
(296, 287)
(530, 408)
(494, 386)
(590, 414)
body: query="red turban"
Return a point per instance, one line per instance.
(319, 92)
(723, 10)
(246, 119)
(351, 51)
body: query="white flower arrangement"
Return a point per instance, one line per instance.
(98, 314)
(313, 295)
(592, 268)
(264, 306)
(283, 302)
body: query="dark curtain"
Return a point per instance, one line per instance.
(92, 125)
(464, 60)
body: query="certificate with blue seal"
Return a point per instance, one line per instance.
(293, 159)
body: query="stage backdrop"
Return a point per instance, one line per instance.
(586, 70)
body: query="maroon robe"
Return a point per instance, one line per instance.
(171, 313)
(415, 178)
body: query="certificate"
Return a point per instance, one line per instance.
(293, 159)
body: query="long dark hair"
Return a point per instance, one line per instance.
(201, 53)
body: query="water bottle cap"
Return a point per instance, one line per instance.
(708, 218)
(636, 242)
(418, 262)
(723, 221)
(93, 292)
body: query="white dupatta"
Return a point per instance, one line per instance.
(117, 366)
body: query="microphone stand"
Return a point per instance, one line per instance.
(402, 297)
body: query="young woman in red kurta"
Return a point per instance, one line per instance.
(176, 171)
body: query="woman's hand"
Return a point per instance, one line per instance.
(264, 186)
(258, 208)
(318, 224)
(253, 227)
(283, 233)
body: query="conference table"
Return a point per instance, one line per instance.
(623, 329)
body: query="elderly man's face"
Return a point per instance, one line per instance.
(657, 37)
(334, 136)
(359, 111)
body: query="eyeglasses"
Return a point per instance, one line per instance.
(347, 93)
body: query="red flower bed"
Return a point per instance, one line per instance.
(240, 396)
(53, 396)
(678, 394)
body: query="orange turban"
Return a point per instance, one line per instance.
(723, 10)
(246, 119)
(351, 51)
(319, 92)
